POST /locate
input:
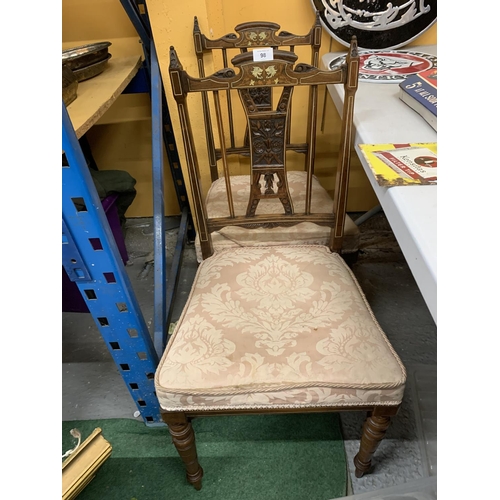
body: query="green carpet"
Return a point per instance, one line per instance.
(292, 457)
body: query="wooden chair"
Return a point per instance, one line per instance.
(252, 35)
(277, 328)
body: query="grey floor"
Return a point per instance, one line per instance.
(93, 389)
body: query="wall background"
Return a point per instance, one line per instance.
(122, 138)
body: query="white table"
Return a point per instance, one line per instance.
(380, 117)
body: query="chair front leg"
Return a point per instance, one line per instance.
(374, 431)
(183, 438)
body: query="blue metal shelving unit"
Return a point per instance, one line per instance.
(90, 254)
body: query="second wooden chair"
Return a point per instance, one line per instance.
(249, 36)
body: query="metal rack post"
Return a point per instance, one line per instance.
(161, 128)
(92, 260)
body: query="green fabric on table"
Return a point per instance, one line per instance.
(294, 456)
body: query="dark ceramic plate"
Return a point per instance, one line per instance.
(377, 24)
(85, 55)
(92, 70)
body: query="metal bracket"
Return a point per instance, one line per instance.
(71, 258)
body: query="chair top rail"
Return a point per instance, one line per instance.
(278, 72)
(257, 34)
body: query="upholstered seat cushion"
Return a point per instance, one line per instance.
(281, 327)
(305, 233)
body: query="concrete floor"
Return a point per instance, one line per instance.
(93, 389)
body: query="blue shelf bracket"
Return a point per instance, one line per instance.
(103, 280)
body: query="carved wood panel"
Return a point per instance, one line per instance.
(267, 140)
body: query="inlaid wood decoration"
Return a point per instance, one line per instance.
(377, 24)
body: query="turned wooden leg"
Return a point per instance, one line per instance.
(183, 438)
(374, 430)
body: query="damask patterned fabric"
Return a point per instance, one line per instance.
(305, 233)
(282, 327)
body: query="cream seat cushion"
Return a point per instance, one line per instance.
(279, 327)
(305, 233)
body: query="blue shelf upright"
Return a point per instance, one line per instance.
(92, 260)
(165, 283)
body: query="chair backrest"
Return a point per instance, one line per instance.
(250, 35)
(267, 139)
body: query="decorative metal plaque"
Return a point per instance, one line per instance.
(389, 66)
(377, 24)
